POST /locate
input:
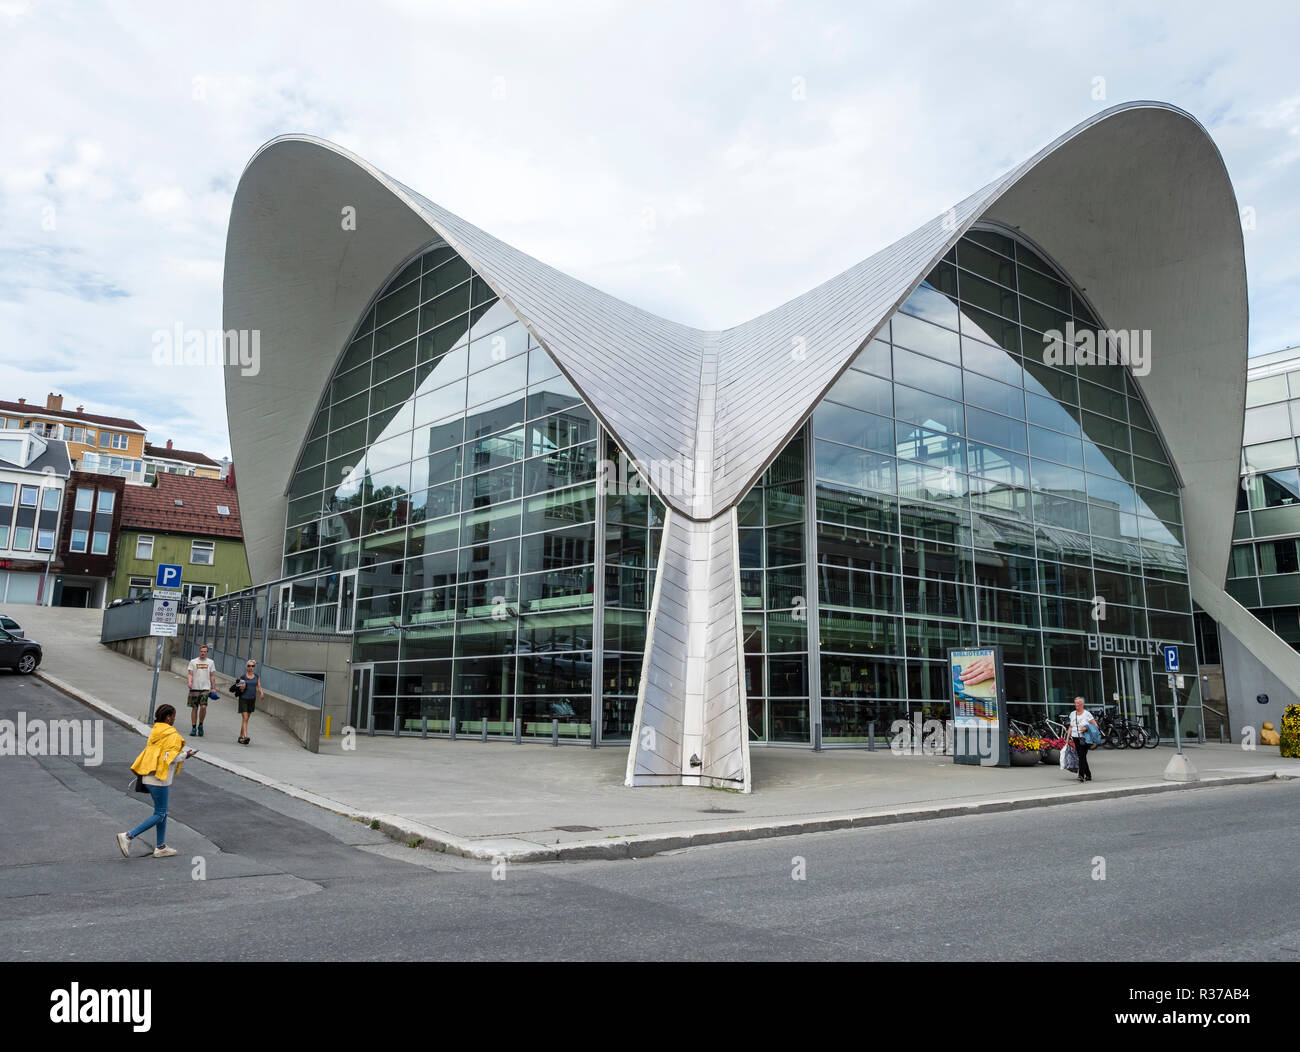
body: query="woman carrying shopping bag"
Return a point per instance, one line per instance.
(1084, 733)
(157, 765)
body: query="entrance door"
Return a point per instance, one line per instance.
(361, 712)
(1127, 682)
(347, 601)
(286, 603)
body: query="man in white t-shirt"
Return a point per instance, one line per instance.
(201, 677)
(1079, 720)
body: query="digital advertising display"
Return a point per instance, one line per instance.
(979, 707)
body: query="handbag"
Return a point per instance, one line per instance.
(139, 785)
(1069, 758)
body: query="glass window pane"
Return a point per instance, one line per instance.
(929, 339)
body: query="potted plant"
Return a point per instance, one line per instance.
(1290, 736)
(1024, 750)
(1051, 750)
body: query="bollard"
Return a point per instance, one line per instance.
(1222, 737)
(555, 732)
(327, 726)
(817, 737)
(453, 728)
(424, 726)
(397, 724)
(519, 731)
(871, 736)
(483, 729)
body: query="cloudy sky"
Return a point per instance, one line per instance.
(661, 151)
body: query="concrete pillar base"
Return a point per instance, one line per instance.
(1180, 769)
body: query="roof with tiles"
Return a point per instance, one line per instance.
(156, 507)
(28, 409)
(186, 456)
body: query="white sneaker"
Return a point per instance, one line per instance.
(163, 852)
(124, 843)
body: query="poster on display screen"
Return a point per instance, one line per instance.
(979, 707)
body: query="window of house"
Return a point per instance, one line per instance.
(202, 552)
(199, 591)
(50, 500)
(222, 509)
(45, 540)
(78, 542)
(119, 441)
(144, 547)
(85, 498)
(106, 500)
(139, 586)
(99, 544)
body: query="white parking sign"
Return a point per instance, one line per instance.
(163, 622)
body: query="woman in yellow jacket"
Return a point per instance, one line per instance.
(158, 764)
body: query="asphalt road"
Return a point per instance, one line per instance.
(1202, 875)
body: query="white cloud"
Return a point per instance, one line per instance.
(559, 128)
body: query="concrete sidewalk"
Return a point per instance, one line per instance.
(532, 802)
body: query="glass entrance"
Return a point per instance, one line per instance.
(1127, 683)
(361, 713)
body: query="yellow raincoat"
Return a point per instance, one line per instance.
(164, 747)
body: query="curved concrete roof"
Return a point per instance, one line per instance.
(1135, 204)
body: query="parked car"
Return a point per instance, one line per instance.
(20, 654)
(10, 625)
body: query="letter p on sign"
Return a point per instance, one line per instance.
(169, 576)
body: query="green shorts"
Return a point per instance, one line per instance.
(247, 705)
(197, 698)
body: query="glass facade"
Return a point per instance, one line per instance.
(967, 493)
(951, 489)
(1264, 575)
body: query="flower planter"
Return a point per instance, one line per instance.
(1024, 759)
(1052, 756)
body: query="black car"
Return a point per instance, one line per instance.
(21, 655)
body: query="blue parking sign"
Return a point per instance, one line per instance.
(1171, 659)
(169, 576)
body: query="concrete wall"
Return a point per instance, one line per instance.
(1246, 677)
(333, 657)
(146, 649)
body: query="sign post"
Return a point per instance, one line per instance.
(1171, 666)
(166, 599)
(1180, 768)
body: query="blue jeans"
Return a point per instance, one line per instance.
(160, 793)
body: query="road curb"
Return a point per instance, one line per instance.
(520, 849)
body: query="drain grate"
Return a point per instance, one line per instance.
(721, 811)
(577, 829)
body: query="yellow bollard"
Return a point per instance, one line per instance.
(327, 726)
